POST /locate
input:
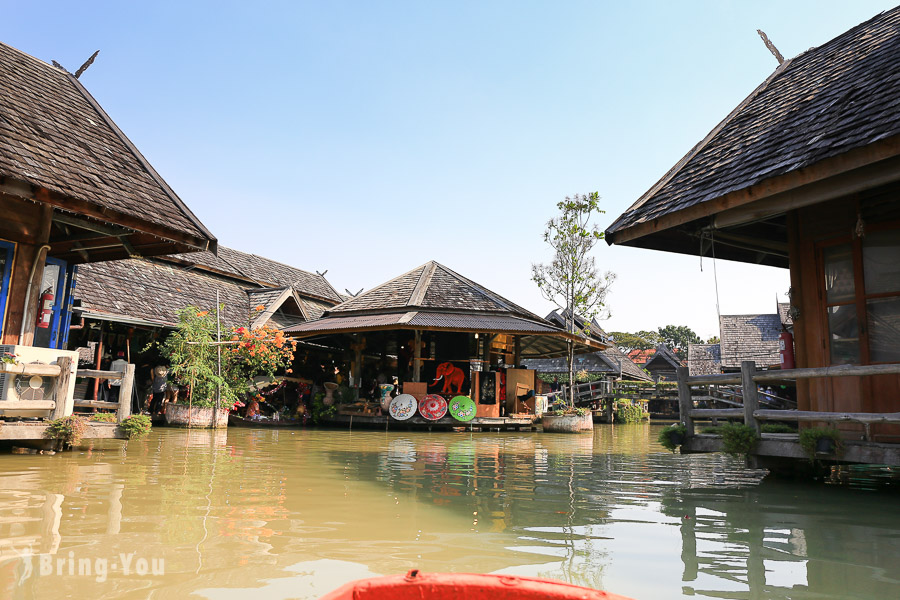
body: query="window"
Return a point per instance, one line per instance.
(862, 285)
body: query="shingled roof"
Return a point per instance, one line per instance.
(434, 297)
(704, 359)
(431, 286)
(55, 137)
(823, 104)
(750, 337)
(152, 290)
(604, 361)
(260, 271)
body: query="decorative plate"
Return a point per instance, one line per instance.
(433, 407)
(462, 408)
(403, 407)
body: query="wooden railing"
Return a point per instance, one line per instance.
(62, 370)
(751, 413)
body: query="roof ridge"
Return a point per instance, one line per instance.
(378, 287)
(699, 146)
(418, 294)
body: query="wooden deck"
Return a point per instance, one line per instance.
(31, 431)
(419, 423)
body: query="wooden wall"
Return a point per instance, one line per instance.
(808, 228)
(28, 225)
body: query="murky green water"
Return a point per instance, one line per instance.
(294, 514)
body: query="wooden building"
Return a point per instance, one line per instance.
(805, 174)
(73, 190)
(124, 304)
(431, 316)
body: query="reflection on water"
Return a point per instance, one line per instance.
(293, 514)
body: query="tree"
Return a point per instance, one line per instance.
(642, 340)
(678, 337)
(571, 280)
(714, 340)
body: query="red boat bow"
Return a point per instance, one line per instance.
(468, 586)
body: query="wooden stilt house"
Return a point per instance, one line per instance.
(804, 174)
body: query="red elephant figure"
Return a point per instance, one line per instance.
(452, 376)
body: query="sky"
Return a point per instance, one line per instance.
(366, 138)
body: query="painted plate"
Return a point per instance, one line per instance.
(403, 407)
(433, 407)
(462, 408)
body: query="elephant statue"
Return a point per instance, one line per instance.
(453, 376)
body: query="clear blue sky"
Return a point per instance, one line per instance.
(369, 137)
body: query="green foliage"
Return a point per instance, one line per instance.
(738, 439)
(666, 434)
(713, 429)
(580, 377)
(103, 417)
(69, 431)
(136, 426)
(571, 280)
(810, 437)
(777, 428)
(628, 412)
(576, 410)
(678, 337)
(319, 412)
(642, 340)
(346, 394)
(714, 340)
(193, 356)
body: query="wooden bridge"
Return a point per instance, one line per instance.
(777, 449)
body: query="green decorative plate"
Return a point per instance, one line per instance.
(462, 408)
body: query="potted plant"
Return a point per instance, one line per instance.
(567, 420)
(218, 377)
(820, 442)
(672, 436)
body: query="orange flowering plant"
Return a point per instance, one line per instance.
(245, 354)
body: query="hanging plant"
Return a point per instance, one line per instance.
(68, 431)
(738, 439)
(821, 441)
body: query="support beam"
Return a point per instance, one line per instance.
(751, 397)
(417, 356)
(685, 403)
(125, 394)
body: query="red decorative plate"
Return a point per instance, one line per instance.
(432, 407)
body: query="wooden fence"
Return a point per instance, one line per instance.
(751, 413)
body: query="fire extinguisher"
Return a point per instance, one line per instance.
(45, 314)
(786, 348)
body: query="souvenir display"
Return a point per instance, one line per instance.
(462, 408)
(433, 407)
(403, 407)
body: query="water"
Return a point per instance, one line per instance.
(294, 514)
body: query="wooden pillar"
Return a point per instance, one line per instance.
(417, 356)
(125, 394)
(685, 402)
(357, 366)
(748, 389)
(517, 350)
(62, 388)
(99, 359)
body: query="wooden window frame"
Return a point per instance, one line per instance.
(860, 298)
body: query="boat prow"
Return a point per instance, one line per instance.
(468, 586)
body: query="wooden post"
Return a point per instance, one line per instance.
(517, 350)
(62, 387)
(685, 403)
(125, 394)
(748, 389)
(417, 356)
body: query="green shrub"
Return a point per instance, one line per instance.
(810, 437)
(777, 428)
(68, 431)
(319, 412)
(628, 412)
(103, 417)
(738, 439)
(577, 410)
(136, 426)
(665, 436)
